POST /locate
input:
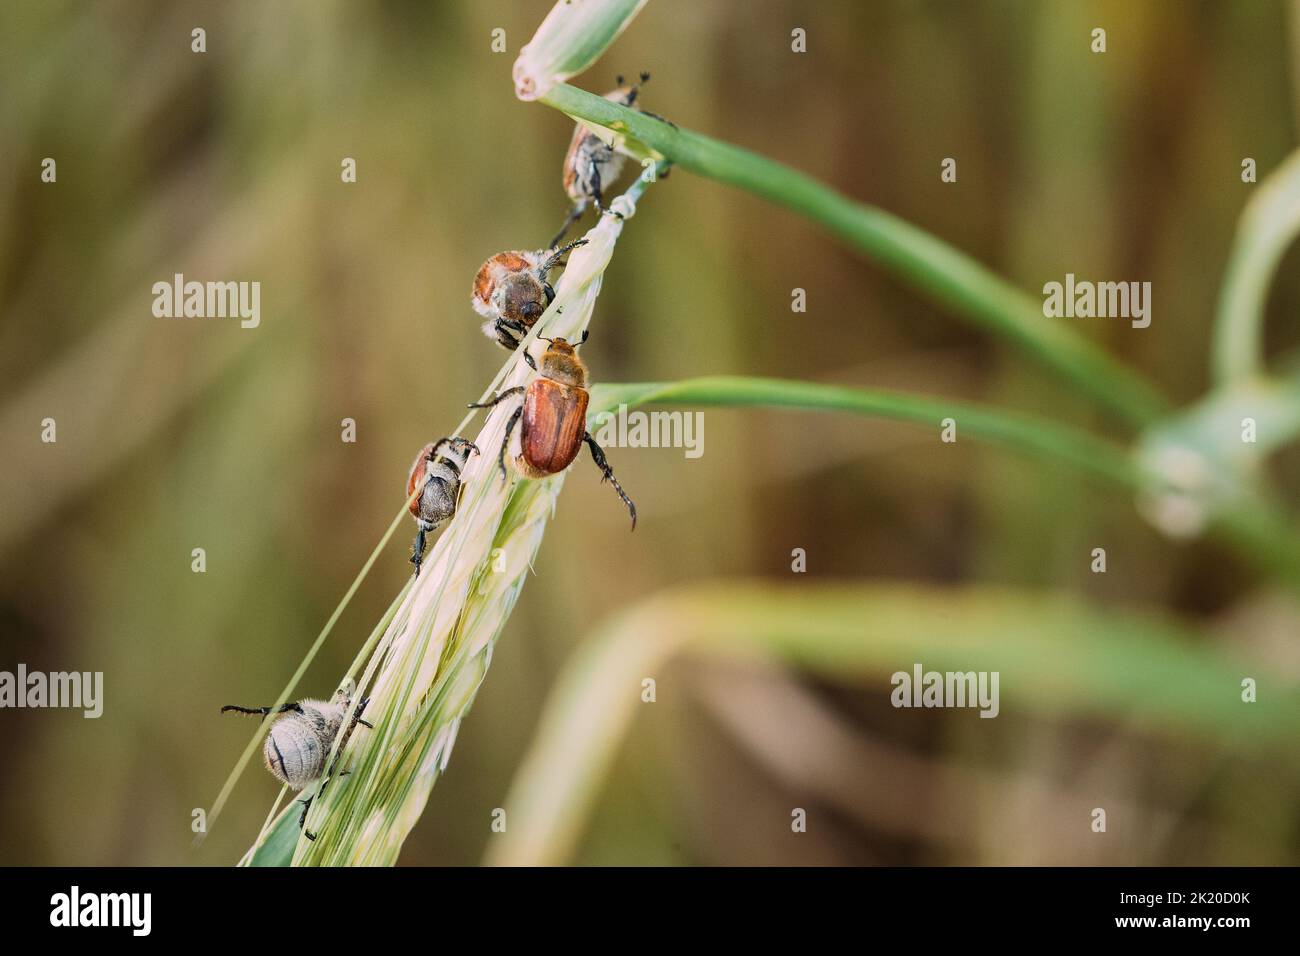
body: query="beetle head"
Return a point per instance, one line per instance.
(521, 297)
(626, 92)
(461, 448)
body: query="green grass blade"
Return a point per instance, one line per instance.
(949, 276)
(1252, 523)
(1213, 424)
(1035, 436)
(264, 725)
(276, 846)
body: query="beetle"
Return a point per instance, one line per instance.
(436, 474)
(511, 291)
(300, 739)
(553, 419)
(590, 163)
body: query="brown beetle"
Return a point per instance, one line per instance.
(436, 474)
(511, 290)
(554, 419)
(591, 163)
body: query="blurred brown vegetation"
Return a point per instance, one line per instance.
(174, 435)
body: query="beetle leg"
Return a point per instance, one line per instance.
(598, 456)
(532, 362)
(417, 550)
(659, 118)
(553, 260)
(306, 805)
(594, 170)
(509, 332)
(263, 711)
(505, 443)
(595, 173)
(575, 213)
(498, 398)
(356, 718)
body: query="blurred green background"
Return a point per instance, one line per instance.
(175, 434)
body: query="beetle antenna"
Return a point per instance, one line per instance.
(635, 89)
(262, 711)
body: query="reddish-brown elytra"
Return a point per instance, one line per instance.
(435, 474)
(555, 414)
(553, 419)
(511, 291)
(592, 164)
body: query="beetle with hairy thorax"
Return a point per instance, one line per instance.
(511, 292)
(436, 474)
(552, 420)
(591, 164)
(300, 739)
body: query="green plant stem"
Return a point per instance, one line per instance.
(425, 661)
(948, 275)
(1038, 437)
(264, 726)
(1268, 226)
(1256, 528)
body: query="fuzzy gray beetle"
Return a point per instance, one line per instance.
(300, 739)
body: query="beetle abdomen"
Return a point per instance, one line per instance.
(492, 272)
(437, 503)
(418, 477)
(554, 425)
(437, 476)
(298, 743)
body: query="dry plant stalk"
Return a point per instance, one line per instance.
(432, 649)
(436, 650)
